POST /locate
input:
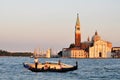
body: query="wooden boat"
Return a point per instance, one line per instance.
(50, 67)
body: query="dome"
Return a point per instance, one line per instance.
(96, 37)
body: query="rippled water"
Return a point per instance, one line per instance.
(11, 68)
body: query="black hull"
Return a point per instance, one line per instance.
(49, 70)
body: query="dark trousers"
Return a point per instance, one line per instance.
(36, 65)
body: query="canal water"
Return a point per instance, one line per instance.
(11, 68)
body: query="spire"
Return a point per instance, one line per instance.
(77, 32)
(77, 21)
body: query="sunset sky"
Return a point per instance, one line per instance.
(29, 24)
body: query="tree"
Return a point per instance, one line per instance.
(72, 45)
(60, 53)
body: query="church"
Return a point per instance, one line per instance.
(94, 48)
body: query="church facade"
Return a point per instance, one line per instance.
(94, 48)
(99, 48)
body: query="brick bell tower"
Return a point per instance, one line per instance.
(77, 33)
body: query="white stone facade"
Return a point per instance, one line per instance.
(100, 49)
(74, 53)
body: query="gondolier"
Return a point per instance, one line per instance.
(36, 62)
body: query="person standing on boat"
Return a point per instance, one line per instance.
(59, 63)
(36, 62)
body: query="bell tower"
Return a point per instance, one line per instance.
(77, 32)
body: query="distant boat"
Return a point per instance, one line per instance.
(50, 66)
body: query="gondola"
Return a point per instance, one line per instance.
(50, 66)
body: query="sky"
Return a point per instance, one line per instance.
(29, 24)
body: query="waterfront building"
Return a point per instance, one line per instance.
(94, 48)
(116, 52)
(74, 53)
(115, 49)
(99, 48)
(48, 53)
